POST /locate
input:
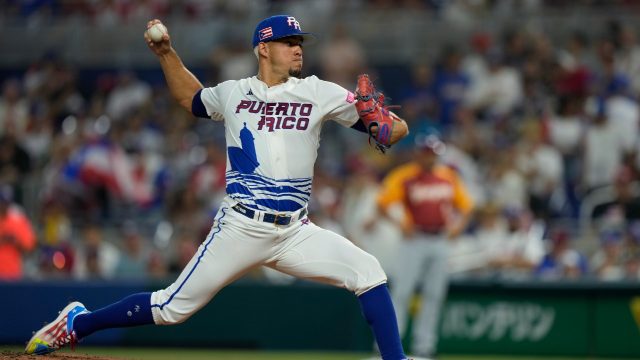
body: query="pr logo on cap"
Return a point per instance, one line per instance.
(291, 21)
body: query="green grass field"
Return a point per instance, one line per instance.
(204, 354)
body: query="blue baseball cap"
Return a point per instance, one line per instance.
(278, 27)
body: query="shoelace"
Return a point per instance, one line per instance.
(70, 339)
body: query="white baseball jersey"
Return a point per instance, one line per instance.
(272, 140)
(273, 135)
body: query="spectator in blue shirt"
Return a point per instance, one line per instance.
(449, 86)
(562, 261)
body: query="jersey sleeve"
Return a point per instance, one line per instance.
(461, 198)
(209, 102)
(338, 103)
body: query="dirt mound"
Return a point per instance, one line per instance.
(13, 355)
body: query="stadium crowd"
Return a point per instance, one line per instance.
(116, 181)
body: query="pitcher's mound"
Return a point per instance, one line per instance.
(12, 355)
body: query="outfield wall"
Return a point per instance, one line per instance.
(580, 319)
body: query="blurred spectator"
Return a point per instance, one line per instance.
(142, 10)
(575, 67)
(157, 267)
(518, 252)
(105, 13)
(62, 96)
(499, 92)
(575, 58)
(185, 246)
(132, 263)
(542, 164)
(361, 220)
(55, 185)
(231, 60)
(471, 135)
(208, 178)
(128, 96)
(97, 258)
(625, 199)
(341, 58)
(631, 252)
(505, 184)
(606, 78)
(607, 262)
(148, 178)
(56, 254)
(467, 167)
(56, 261)
(142, 134)
(419, 107)
(14, 109)
(17, 237)
(418, 90)
(623, 113)
(15, 165)
(632, 268)
(450, 86)
(188, 212)
(461, 14)
(37, 141)
(561, 261)
(475, 63)
(566, 129)
(627, 57)
(325, 203)
(491, 232)
(600, 163)
(516, 45)
(538, 72)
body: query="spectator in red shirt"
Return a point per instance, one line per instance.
(16, 236)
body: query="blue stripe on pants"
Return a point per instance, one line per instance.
(204, 250)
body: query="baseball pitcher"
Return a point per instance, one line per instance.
(272, 128)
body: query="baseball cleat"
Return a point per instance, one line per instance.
(57, 333)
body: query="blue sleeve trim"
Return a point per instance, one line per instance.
(359, 125)
(197, 106)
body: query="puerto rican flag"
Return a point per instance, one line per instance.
(102, 163)
(266, 33)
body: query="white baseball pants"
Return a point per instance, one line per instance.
(236, 244)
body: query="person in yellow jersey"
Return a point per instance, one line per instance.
(437, 209)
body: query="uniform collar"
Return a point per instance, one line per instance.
(256, 80)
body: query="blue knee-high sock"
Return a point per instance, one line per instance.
(133, 310)
(378, 311)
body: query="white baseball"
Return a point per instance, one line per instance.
(156, 32)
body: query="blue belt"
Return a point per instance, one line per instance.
(276, 219)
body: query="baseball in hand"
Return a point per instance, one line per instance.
(156, 32)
